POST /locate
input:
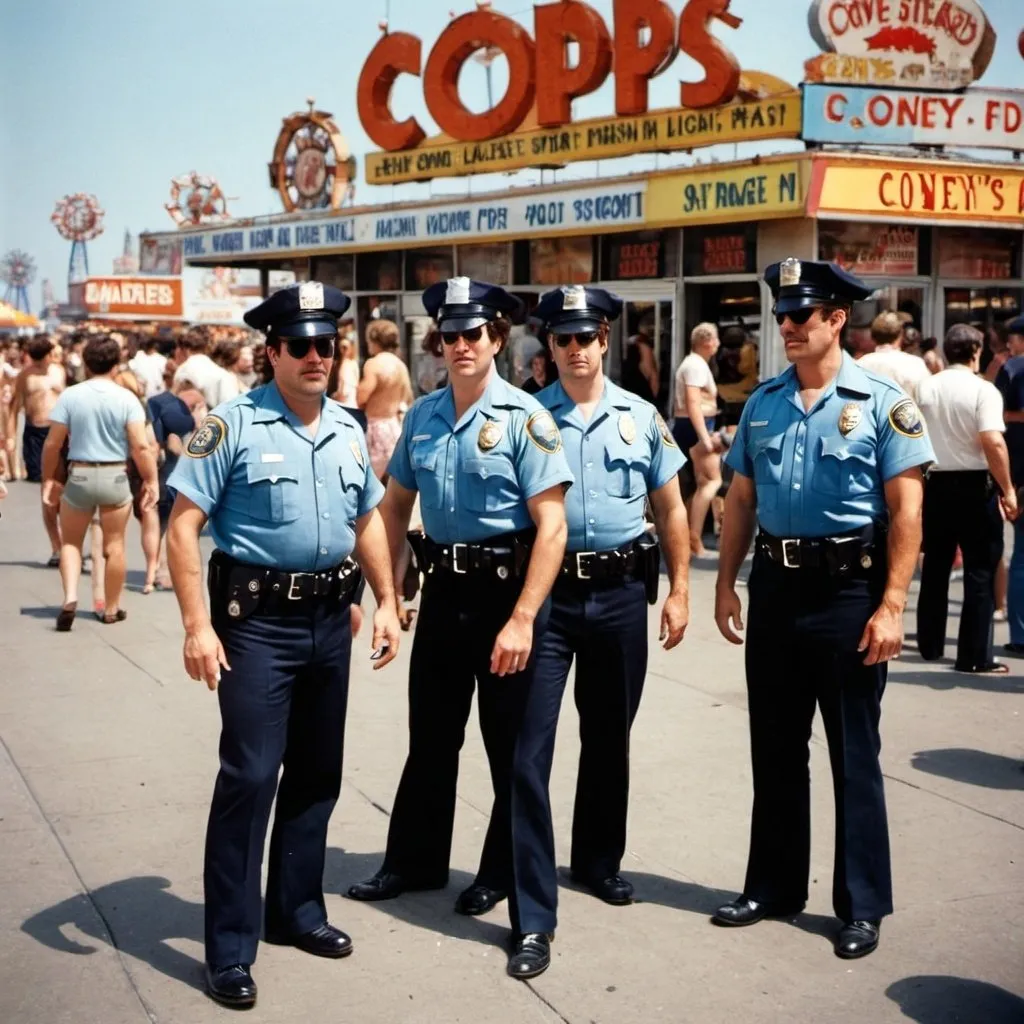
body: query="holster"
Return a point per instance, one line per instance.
(232, 583)
(648, 551)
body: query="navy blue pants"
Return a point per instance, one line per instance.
(460, 618)
(605, 628)
(802, 634)
(282, 703)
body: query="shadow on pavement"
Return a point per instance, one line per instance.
(28, 565)
(943, 999)
(431, 910)
(141, 916)
(47, 612)
(948, 679)
(976, 767)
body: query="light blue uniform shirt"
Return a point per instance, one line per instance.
(475, 476)
(96, 413)
(823, 472)
(618, 456)
(275, 495)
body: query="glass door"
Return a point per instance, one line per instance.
(640, 349)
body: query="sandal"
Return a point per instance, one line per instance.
(109, 619)
(54, 562)
(996, 668)
(148, 587)
(66, 618)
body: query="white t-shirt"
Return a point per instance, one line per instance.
(957, 406)
(216, 384)
(149, 368)
(694, 372)
(905, 369)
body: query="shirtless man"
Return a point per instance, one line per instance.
(35, 391)
(383, 394)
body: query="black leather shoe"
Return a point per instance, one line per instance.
(743, 911)
(386, 885)
(231, 986)
(325, 941)
(856, 939)
(614, 889)
(531, 955)
(478, 899)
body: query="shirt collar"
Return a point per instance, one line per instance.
(270, 407)
(851, 377)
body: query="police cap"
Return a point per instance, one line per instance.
(575, 307)
(1015, 326)
(305, 310)
(460, 304)
(796, 284)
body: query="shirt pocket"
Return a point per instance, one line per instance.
(489, 485)
(273, 492)
(428, 482)
(626, 471)
(845, 468)
(767, 455)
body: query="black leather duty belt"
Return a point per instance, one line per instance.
(240, 588)
(601, 566)
(835, 555)
(504, 558)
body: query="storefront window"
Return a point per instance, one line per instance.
(558, 261)
(633, 255)
(376, 307)
(424, 267)
(979, 255)
(873, 249)
(378, 271)
(720, 250)
(337, 271)
(489, 262)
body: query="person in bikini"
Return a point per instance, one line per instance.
(384, 393)
(36, 390)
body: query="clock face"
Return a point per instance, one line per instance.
(310, 173)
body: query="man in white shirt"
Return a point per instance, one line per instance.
(962, 502)
(148, 366)
(195, 367)
(889, 360)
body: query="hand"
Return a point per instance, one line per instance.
(728, 613)
(204, 655)
(712, 445)
(52, 491)
(1009, 506)
(675, 615)
(883, 635)
(512, 647)
(385, 632)
(149, 496)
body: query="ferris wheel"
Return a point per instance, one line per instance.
(79, 219)
(17, 271)
(196, 199)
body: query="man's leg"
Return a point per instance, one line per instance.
(1015, 592)
(982, 545)
(941, 530)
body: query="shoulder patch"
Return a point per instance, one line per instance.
(666, 434)
(905, 418)
(543, 432)
(208, 438)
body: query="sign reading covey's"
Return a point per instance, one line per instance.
(531, 126)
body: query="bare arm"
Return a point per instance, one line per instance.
(738, 524)
(649, 366)
(372, 554)
(514, 643)
(693, 410)
(51, 459)
(17, 401)
(367, 385)
(145, 462)
(203, 654)
(674, 534)
(883, 635)
(396, 511)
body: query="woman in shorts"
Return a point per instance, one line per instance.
(104, 424)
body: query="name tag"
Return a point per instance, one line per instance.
(271, 457)
(759, 423)
(422, 437)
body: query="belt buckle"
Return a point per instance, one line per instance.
(455, 559)
(580, 573)
(292, 595)
(791, 562)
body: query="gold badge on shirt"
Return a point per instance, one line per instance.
(358, 453)
(489, 436)
(627, 428)
(849, 418)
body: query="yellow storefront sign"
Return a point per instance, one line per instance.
(598, 139)
(932, 191)
(753, 192)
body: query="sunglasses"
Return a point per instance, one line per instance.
(470, 334)
(298, 348)
(798, 316)
(582, 338)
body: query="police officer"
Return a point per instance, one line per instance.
(621, 453)
(487, 462)
(828, 460)
(283, 476)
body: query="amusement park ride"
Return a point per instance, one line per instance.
(79, 219)
(196, 199)
(17, 271)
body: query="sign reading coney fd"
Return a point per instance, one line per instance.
(529, 124)
(930, 44)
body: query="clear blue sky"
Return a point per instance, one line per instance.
(115, 98)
